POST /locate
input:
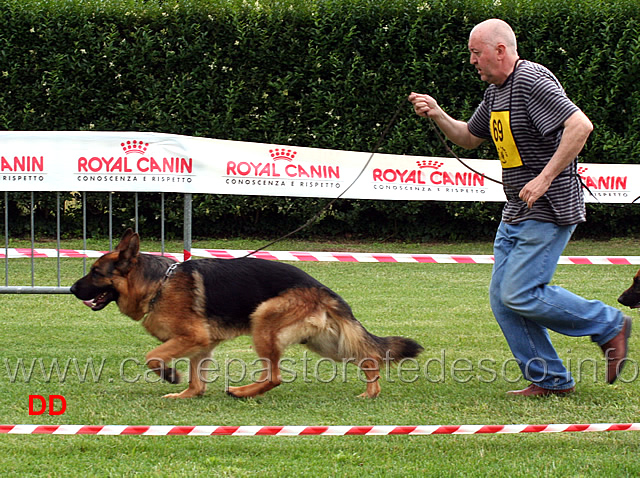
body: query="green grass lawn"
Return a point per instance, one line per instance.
(460, 379)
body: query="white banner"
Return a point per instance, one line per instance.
(155, 162)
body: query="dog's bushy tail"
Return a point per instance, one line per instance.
(358, 343)
(343, 337)
(396, 348)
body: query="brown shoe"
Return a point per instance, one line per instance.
(534, 390)
(615, 351)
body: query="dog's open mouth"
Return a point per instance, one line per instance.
(99, 302)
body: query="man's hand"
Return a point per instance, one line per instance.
(534, 190)
(577, 129)
(456, 131)
(424, 105)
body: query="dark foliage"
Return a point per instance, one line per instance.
(326, 74)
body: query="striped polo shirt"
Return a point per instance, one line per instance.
(538, 108)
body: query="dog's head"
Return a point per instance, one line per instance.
(631, 296)
(108, 275)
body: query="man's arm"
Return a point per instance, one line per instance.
(457, 131)
(577, 129)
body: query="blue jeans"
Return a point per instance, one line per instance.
(526, 306)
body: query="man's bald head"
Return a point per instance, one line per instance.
(495, 31)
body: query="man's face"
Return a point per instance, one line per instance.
(484, 58)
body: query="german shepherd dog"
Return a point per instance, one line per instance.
(193, 306)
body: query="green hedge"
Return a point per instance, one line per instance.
(325, 74)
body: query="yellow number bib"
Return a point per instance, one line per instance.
(503, 139)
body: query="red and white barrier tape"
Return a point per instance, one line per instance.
(156, 430)
(303, 256)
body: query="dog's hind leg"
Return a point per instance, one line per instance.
(340, 348)
(371, 369)
(277, 323)
(345, 340)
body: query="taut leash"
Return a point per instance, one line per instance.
(452, 153)
(330, 203)
(505, 184)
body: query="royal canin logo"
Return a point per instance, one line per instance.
(282, 154)
(428, 172)
(140, 164)
(423, 164)
(22, 164)
(608, 183)
(275, 169)
(134, 146)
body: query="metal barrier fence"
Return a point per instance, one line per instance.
(58, 288)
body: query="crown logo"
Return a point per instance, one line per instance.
(134, 146)
(281, 153)
(422, 164)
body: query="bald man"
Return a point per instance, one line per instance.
(538, 133)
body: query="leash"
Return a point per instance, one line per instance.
(373, 152)
(330, 203)
(168, 273)
(452, 153)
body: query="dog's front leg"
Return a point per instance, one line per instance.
(197, 377)
(159, 358)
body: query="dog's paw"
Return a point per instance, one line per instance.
(168, 374)
(367, 395)
(173, 395)
(184, 394)
(188, 393)
(231, 394)
(237, 392)
(171, 375)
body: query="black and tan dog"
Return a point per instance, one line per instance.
(195, 305)
(631, 296)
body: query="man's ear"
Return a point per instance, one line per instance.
(501, 51)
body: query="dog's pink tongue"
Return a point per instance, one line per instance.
(88, 303)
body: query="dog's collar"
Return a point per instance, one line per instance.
(170, 270)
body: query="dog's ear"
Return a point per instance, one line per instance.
(126, 238)
(129, 249)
